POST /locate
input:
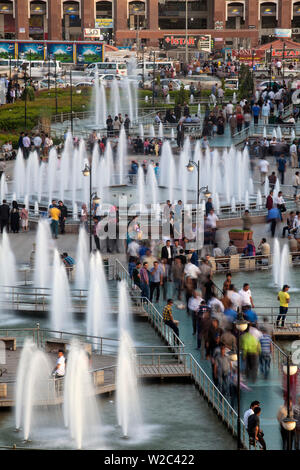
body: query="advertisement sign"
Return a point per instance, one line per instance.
(7, 49)
(92, 33)
(89, 52)
(201, 43)
(31, 50)
(268, 10)
(6, 8)
(282, 33)
(288, 53)
(245, 55)
(62, 51)
(235, 10)
(104, 23)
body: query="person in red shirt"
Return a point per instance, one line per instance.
(269, 203)
(239, 121)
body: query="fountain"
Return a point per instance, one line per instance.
(151, 131)
(42, 259)
(81, 413)
(82, 260)
(3, 187)
(280, 266)
(8, 270)
(124, 310)
(127, 399)
(32, 386)
(60, 310)
(122, 155)
(151, 184)
(161, 131)
(233, 207)
(141, 189)
(75, 211)
(258, 200)
(98, 305)
(19, 173)
(141, 131)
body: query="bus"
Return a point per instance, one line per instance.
(117, 68)
(150, 66)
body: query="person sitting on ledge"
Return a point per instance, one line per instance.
(231, 249)
(168, 317)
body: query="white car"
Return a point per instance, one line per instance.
(51, 81)
(263, 85)
(83, 84)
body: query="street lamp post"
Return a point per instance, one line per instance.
(55, 85)
(71, 100)
(271, 53)
(289, 423)
(186, 31)
(241, 325)
(25, 96)
(204, 190)
(10, 66)
(87, 171)
(153, 82)
(283, 55)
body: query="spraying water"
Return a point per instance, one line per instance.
(81, 413)
(82, 260)
(60, 312)
(128, 402)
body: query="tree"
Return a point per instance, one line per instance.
(245, 82)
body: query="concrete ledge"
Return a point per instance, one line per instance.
(255, 219)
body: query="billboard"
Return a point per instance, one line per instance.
(104, 23)
(89, 52)
(31, 50)
(62, 51)
(201, 43)
(282, 33)
(7, 49)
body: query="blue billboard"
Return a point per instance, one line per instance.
(31, 50)
(89, 52)
(7, 50)
(62, 51)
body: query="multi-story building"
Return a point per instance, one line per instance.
(243, 23)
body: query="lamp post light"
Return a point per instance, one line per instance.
(204, 190)
(289, 423)
(271, 53)
(186, 31)
(71, 100)
(153, 82)
(87, 171)
(283, 55)
(241, 325)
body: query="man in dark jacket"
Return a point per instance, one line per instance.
(63, 216)
(4, 215)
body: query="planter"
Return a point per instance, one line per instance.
(239, 235)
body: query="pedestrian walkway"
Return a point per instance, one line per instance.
(268, 392)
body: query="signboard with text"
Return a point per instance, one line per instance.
(7, 50)
(104, 23)
(92, 33)
(282, 33)
(200, 43)
(31, 50)
(245, 55)
(288, 53)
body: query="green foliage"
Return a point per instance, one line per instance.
(237, 230)
(29, 93)
(245, 82)
(182, 95)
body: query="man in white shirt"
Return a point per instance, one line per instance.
(212, 219)
(192, 271)
(296, 183)
(60, 367)
(229, 110)
(234, 297)
(246, 297)
(133, 249)
(193, 307)
(294, 156)
(265, 112)
(263, 166)
(250, 412)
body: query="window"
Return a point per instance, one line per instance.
(268, 15)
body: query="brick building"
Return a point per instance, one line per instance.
(243, 23)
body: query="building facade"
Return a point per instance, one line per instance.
(243, 23)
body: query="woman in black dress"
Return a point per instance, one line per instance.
(15, 218)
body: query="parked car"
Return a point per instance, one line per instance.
(59, 83)
(263, 85)
(207, 81)
(83, 84)
(232, 83)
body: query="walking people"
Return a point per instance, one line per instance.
(15, 218)
(63, 216)
(254, 431)
(284, 300)
(54, 213)
(4, 215)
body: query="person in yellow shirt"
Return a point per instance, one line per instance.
(54, 213)
(284, 300)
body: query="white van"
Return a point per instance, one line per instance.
(150, 66)
(41, 68)
(6, 64)
(117, 68)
